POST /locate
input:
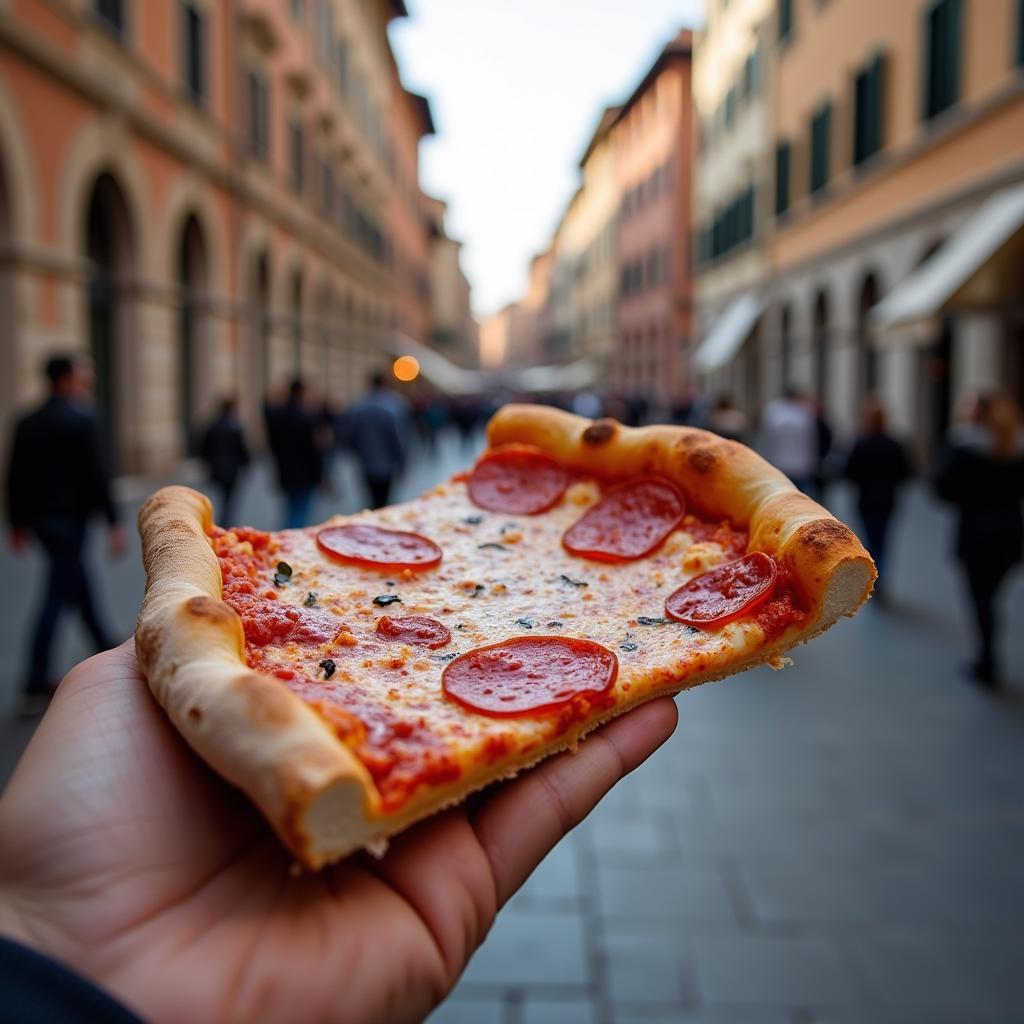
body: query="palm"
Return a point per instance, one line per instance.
(132, 861)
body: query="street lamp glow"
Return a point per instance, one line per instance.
(406, 368)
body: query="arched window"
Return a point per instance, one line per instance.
(109, 248)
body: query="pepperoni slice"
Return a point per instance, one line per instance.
(361, 544)
(519, 481)
(725, 592)
(414, 629)
(630, 521)
(529, 674)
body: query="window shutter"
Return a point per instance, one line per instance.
(953, 37)
(782, 178)
(1020, 33)
(876, 95)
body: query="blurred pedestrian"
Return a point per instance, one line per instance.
(788, 437)
(226, 455)
(292, 436)
(727, 420)
(378, 427)
(982, 473)
(877, 466)
(57, 481)
(824, 469)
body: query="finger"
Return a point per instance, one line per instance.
(520, 824)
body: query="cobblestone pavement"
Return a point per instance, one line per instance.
(838, 843)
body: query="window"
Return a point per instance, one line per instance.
(193, 52)
(941, 64)
(821, 134)
(782, 153)
(732, 226)
(111, 15)
(259, 123)
(325, 33)
(750, 75)
(785, 20)
(328, 187)
(869, 110)
(297, 154)
(1020, 34)
(730, 108)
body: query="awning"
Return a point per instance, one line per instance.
(445, 375)
(583, 373)
(950, 278)
(729, 333)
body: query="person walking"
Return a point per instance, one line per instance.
(377, 432)
(982, 474)
(57, 480)
(877, 466)
(292, 437)
(226, 455)
(727, 419)
(788, 437)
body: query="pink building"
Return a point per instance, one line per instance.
(653, 139)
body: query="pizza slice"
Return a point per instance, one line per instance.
(356, 677)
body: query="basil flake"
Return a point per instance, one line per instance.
(628, 645)
(282, 574)
(493, 544)
(382, 600)
(572, 582)
(473, 520)
(328, 666)
(310, 600)
(646, 620)
(525, 623)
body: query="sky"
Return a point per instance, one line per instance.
(516, 88)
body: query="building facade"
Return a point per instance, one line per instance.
(454, 332)
(652, 135)
(611, 295)
(733, 180)
(897, 237)
(202, 194)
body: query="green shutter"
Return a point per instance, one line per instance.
(1020, 32)
(876, 93)
(781, 178)
(821, 133)
(954, 23)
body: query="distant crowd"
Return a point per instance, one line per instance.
(58, 480)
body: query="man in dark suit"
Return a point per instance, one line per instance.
(57, 480)
(292, 439)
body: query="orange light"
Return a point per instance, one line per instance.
(406, 368)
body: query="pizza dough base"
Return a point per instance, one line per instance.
(314, 791)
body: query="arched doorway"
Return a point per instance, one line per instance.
(820, 342)
(192, 270)
(109, 249)
(867, 353)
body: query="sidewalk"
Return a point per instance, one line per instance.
(838, 843)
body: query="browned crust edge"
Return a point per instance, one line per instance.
(318, 797)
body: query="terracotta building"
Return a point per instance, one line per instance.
(897, 242)
(209, 196)
(652, 135)
(454, 332)
(611, 296)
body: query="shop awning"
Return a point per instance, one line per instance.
(582, 373)
(729, 333)
(445, 375)
(954, 277)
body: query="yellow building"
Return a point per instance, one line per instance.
(898, 248)
(732, 193)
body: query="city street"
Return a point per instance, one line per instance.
(838, 843)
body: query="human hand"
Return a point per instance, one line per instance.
(117, 540)
(18, 539)
(123, 856)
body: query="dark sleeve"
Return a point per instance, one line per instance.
(853, 470)
(906, 468)
(949, 475)
(98, 472)
(17, 482)
(40, 990)
(244, 458)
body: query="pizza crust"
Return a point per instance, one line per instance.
(316, 794)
